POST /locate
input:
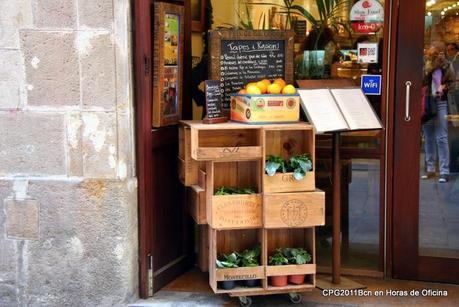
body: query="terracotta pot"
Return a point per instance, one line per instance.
(296, 279)
(279, 281)
(227, 284)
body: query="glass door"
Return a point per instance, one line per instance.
(426, 142)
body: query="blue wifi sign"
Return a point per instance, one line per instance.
(371, 84)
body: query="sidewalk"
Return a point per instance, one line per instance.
(192, 289)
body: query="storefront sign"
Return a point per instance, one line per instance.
(367, 53)
(365, 28)
(367, 11)
(371, 84)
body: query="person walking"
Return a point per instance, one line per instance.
(435, 126)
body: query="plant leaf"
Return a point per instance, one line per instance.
(271, 168)
(298, 174)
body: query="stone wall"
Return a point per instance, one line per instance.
(68, 192)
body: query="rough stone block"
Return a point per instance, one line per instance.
(126, 150)
(21, 219)
(95, 14)
(14, 15)
(32, 144)
(11, 79)
(56, 14)
(99, 143)
(87, 251)
(74, 128)
(97, 70)
(52, 71)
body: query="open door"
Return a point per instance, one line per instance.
(425, 224)
(165, 229)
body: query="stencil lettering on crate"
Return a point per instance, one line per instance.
(294, 212)
(238, 212)
(240, 277)
(228, 151)
(288, 178)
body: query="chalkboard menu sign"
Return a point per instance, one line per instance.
(241, 56)
(214, 112)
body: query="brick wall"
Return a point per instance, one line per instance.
(68, 192)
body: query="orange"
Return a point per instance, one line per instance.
(262, 86)
(266, 81)
(242, 91)
(280, 81)
(274, 88)
(249, 84)
(289, 89)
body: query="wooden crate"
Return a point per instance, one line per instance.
(287, 141)
(187, 167)
(230, 142)
(197, 204)
(203, 248)
(296, 210)
(226, 242)
(233, 211)
(294, 238)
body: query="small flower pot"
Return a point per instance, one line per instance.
(227, 284)
(296, 279)
(279, 281)
(251, 283)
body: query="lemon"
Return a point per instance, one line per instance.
(253, 90)
(274, 88)
(289, 90)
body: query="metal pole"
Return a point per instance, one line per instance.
(336, 243)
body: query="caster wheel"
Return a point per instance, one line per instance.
(295, 298)
(245, 301)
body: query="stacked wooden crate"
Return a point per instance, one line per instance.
(282, 212)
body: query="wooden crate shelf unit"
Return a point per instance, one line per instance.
(227, 242)
(233, 211)
(286, 142)
(294, 210)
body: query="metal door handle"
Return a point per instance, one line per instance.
(407, 101)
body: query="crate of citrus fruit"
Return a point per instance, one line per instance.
(266, 102)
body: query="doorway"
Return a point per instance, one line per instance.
(425, 173)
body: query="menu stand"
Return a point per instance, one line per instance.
(336, 281)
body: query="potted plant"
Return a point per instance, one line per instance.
(298, 164)
(278, 259)
(297, 256)
(250, 258)
(229, 261)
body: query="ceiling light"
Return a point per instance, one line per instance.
(442, 13)
(430, 14)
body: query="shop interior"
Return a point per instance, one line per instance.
(325, 54)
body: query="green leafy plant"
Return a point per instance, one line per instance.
(299, 165)
(250, 257)
(278, 258)
(229, 261)
(274, 163)
(232, 191)
(296, 255)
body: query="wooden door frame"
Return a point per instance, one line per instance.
(143, 59)
(144, 146)
(409, 264)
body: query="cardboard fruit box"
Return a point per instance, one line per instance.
(264, 109)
